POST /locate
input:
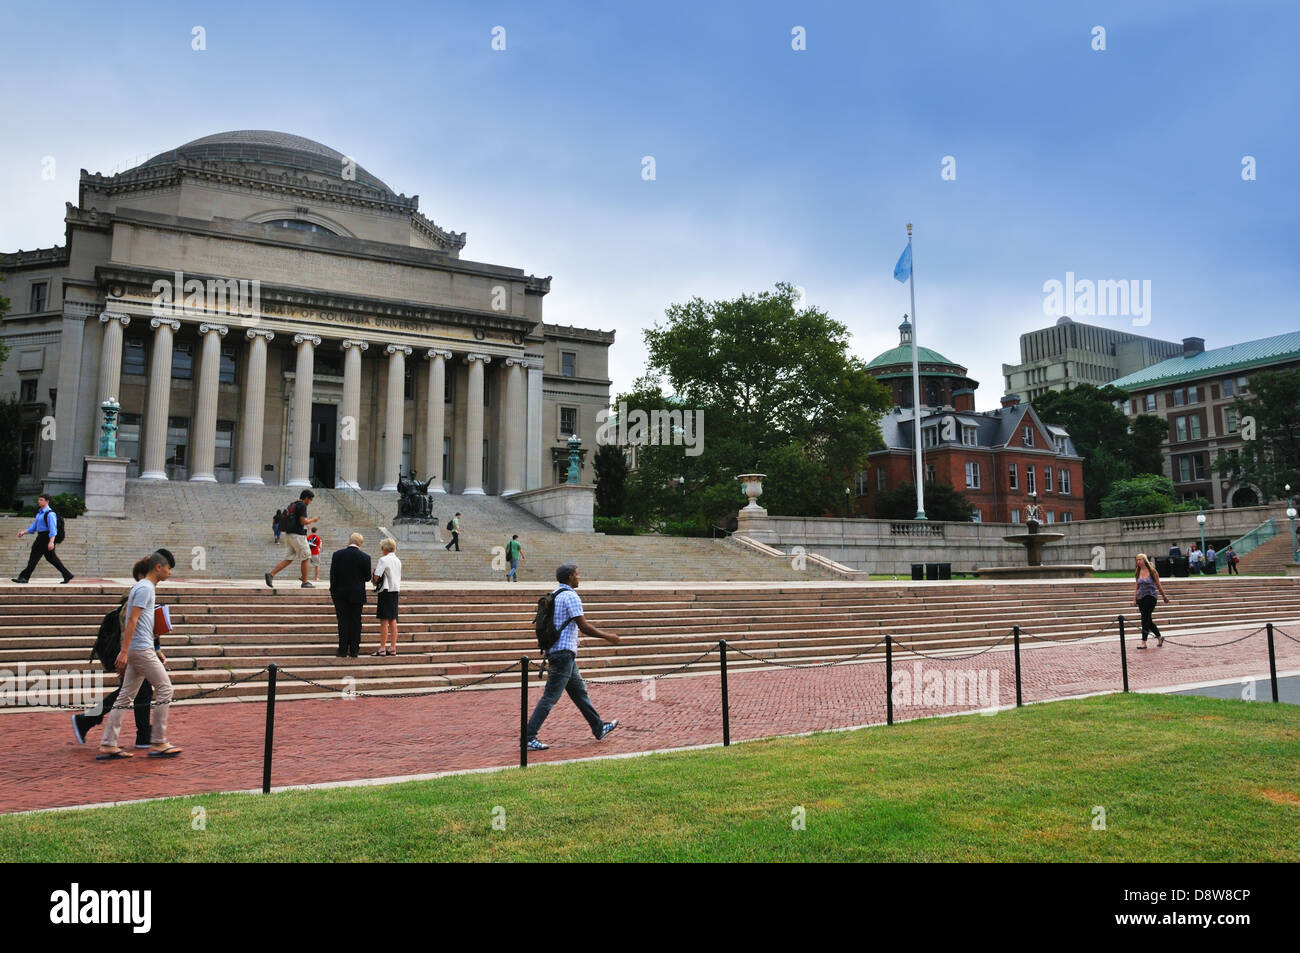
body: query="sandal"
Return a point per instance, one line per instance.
(380, 653)
(112, 754)
(1142, 644)
(167, 751)
(1160, 641)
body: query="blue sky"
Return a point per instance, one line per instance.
(771, 164)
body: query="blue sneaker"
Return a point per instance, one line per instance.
(606, 728)
(535, 745)
(77, 731)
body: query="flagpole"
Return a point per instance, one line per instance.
(916, 382)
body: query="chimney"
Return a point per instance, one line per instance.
(1010, 400)
(963, 399)
(1193, 346)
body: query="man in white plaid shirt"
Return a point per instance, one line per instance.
(562, 661)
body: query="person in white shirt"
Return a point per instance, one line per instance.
(388, 581)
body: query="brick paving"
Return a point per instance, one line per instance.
(331, 740)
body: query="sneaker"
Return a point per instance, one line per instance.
(535, 745)
(269, 581)
(19, 579)
(306, 585)
(77, 731)
(606, 728)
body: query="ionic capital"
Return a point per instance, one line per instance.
(397, 349)
(170, 322)
(437, 352)
(359, 345)
(485, 358)
(221, 329)
(267, 333)
(311, 339)
(122, 319)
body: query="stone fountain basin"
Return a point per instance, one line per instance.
(1024, 538)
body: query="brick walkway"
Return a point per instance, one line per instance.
(326, 740)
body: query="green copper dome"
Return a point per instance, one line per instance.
(903, 355)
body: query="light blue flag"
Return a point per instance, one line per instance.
(903, 270)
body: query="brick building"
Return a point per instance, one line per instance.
(1195, 393)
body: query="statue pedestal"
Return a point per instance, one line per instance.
(105, 479)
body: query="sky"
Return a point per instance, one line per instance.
(771, 163)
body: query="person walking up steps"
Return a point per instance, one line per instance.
(562, 660)
(294, 526)
(46, 527)
(514, 553)
(138, 661)
(453, 524)
(1144, 596)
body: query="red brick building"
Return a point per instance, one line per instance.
(996, 457)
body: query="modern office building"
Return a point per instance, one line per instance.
(1070, 353)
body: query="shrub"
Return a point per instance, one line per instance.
(674, 528)
(68, 505)
(614, 525)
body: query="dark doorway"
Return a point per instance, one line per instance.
(324, 418)
(1245, 496)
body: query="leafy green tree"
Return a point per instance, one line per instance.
(1111, 448)
(611, 480)
(1146, 493)
(943, 501)
(1271, 459)
(780, 394)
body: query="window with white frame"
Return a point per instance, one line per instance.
(1180, 428)
(1015, 516)
(929, 473)
(972, 475)
(860, 483)
(1067, 518)
(1031, 480)
(1013, 476)
(1232, 417)
(969, 436)
(1028, 434)
(1184, 469)
(1063, 481)
(929, 437)
(1150, 402)
(1229, 387)
(1047, 479)
(1051, 516)
(1194, 428)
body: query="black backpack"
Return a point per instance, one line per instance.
(62, 534)
(544, 622)
(108, 643)
(291, 521)
(449, 522)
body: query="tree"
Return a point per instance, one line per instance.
(1270, 457)
(942, 502)
(780, 394)
(1111, 447)
(611, 479)
(1146, 493)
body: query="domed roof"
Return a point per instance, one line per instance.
(903, 355)
(269, 148)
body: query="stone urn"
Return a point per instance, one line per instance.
(752, 484)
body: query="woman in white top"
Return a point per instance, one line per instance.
(387, 580)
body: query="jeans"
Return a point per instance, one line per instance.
(564, 677)
(514, 568)
(141, 664)
(1147, 605)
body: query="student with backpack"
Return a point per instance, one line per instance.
(514, 553)
(558, 620)
(49, 532)
(107, 646)
(275, 525)
(294, 525)
(453, 524)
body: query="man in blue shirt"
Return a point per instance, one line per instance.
(46, 527)
(563, 663)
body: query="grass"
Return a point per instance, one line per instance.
(1180, 778)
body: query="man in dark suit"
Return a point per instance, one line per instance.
(349, 573)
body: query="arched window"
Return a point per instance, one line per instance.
(300, 225)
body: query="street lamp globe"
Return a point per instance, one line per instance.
(1200, 518)
(1290, 512)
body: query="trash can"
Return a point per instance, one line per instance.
(932, 572)
(1164, 566)
(918, 572)
(945, 570)
(1181, 570)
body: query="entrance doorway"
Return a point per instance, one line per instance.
(324, 418)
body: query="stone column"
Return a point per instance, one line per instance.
(350, 441)
(394, 414)
(250, 427)
(435, 430)
(474, 424)
(513, 451)
(110, 360)
(300, 434)
(160, 395)
(205, 420)
(534, 462)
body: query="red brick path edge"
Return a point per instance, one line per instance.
(334, 740)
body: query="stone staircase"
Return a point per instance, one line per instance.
(451, 636)
(223, 531)
(1272, 556)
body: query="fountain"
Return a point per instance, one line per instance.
(1033, 541)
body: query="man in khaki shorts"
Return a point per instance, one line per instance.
(294, 529)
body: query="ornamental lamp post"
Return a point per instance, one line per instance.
(1200, 518)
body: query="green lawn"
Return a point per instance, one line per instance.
(1180, 778)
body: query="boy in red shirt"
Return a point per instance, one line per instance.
(313, 540)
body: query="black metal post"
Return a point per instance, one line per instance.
(1015, 633)
(889, 680)
(523, 712)
(726, 701)
(1123, 653)
(270, 728)
(1272, 661)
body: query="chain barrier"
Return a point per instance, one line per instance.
(155, 704)
(1285, 634)
(1080, 638)
(1216, 645)
(435, 691)
(641, 679)
(953, 658)
(837, 661)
